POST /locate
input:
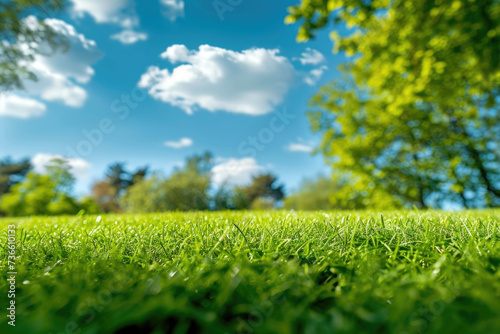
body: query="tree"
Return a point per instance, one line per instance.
(105, 196)
(118, 177)
(200, 164)
(89, 205)
(417, 111)
(139, 175)
(30, 197)
(62, 183)
(38, 195)
(338, 192)
(59, 172)
(313, 195)
(262, 188)
(227, 198)
(145, 196)
(117, 180)
(23, 36)
(186, 189)
(48, 194)
(12, 172)
(63, 204)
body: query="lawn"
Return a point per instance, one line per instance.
(256, 272)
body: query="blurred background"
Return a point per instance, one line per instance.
(128, 106)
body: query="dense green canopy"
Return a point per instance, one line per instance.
(417, 112)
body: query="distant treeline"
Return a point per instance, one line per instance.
(24, 192)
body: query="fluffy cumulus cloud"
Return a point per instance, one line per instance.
(120, 12)
(181, 143)
(79, 167)
(312, 57)
(172, 9)
(76, 61)
(130, 36)
(235, 171)
(20, 107)
(59, 75)
(250, 82)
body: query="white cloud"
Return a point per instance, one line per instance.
(235, 171)
(296, 147)
(76, 61)
(79, 167)
(173, 9)
(300, 146)
(181, 143)
(129, 36)
(53, 86)
(312, 57)
(58, 74)
(119, 12)
(314, 75)
(20, 107)
(250, 82)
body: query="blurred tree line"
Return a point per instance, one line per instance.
(190, 188)
(24, 192)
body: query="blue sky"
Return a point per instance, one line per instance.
(155, 81)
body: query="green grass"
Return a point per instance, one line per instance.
(277, 272)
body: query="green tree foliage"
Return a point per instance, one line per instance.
(23, 35)
(59, 172)
(261, 193)
(313, 195)
(107, 192)
(139, 175)
(118, 177)
(30, 197)
(105, 196)
(417, 113)
(227, 198)
(338, 193)
(145, 196)
(222, 200)
(263, 203)
(38, 195)
(200, 164)
(89, 205)
(12, 172)
(63, 204)
(186, 189)
(48, 194)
